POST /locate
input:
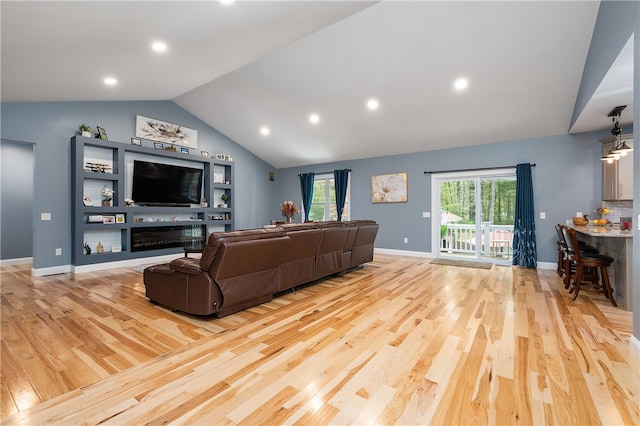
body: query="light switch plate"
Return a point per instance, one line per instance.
(426, 214)
(45, 216)
(578, 214)
(543, 215)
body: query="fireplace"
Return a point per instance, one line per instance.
(161, 237)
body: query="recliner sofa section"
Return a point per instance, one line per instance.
(241, 269)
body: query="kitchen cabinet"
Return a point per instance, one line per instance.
(617, 177)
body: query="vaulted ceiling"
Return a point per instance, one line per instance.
(255, 64)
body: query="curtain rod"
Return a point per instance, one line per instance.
(475, 170)
(321, 173)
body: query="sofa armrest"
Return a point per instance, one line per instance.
(187, 265)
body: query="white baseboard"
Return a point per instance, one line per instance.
(16, 261)
(124, 263)
(547, 265)
(403, 252)
(53, 270)
(634, 346)
(63, 269)
(540, 265)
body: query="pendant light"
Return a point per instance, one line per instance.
(620, 148)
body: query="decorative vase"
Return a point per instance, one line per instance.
(289, 219)
(106, 203)
(86, 134)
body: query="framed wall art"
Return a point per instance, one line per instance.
(391, 188)
(161, 131)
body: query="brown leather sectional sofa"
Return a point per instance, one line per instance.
(240, 269)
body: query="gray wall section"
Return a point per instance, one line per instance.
(50, 127)
(567, 178)
(16, 200)
(615, 23)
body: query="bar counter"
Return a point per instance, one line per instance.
(611, 241)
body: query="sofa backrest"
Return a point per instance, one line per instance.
(362, 251)
(246, 266)
(329, 259)
(216, 238)
(299, 263)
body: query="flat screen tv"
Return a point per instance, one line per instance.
(164, 184)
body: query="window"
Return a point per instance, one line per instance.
(323, 205)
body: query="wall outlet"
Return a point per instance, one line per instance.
(406, 240)
(45, 216)
(426, 214)
(543, 215)
(578, 214)
(58, 251)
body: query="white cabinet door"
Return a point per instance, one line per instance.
(625, 175)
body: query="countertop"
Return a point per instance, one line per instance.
(603, 231)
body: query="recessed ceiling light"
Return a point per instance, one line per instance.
(226, 2)
(110, 81)
(461, 84)
(159, 46)
(373, 104)
(314, 118)
(265, 131)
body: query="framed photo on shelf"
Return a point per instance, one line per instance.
(136, 141)
(184, 150)
(101, 133)
(120, 218)
(109, 219)
(158, 145)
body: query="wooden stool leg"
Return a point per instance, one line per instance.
(578, 280)
(607, 285)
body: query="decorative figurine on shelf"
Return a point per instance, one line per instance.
(289, 209)
(87, 249)
(107, 193)
(87, 201)
(128, 202)
(100, 247)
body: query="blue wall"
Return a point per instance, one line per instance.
(567, 178)
(50, 126)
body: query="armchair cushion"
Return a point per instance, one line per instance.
(188, 265)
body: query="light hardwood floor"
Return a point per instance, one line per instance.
(400, 341)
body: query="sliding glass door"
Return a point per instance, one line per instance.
(473, 215)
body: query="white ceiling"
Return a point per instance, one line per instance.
(272, 63)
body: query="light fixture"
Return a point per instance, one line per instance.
(620, 148)
(314, 118)
(373, 104)
(159, 46)
(460, 84)
(264, 131)
(110, 81)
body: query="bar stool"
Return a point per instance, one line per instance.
(563, 258)
(584, 260)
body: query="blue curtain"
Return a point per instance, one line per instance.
(524, 227)
(341, 180)
(306, 186)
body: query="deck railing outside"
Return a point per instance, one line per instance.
(495, 240)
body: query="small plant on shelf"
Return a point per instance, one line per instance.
(85, 130)
(224, 197)
(107, 194)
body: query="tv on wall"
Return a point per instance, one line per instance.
(165, 184)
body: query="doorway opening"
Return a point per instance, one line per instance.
(473, 215)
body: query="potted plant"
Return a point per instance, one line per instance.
(224, 197)
(107, 193)
(86, 131)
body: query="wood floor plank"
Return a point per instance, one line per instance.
(399, 341)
